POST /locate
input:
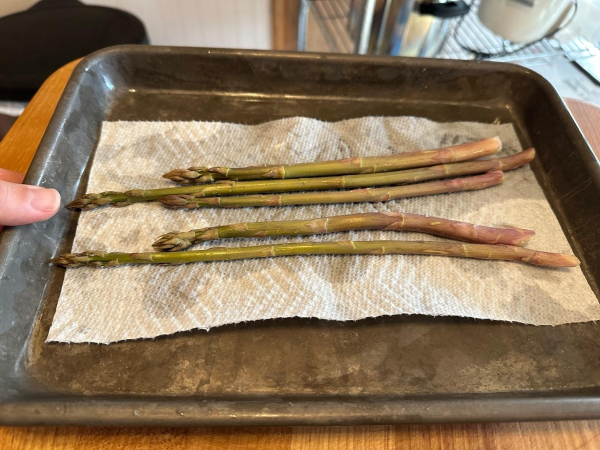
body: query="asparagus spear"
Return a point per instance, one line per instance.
(393, 221)
(478, 251)
(373, 164)
(358, 195)
(91, 201)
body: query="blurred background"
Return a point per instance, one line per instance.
(560, 39)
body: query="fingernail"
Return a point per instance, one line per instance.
(44, 200)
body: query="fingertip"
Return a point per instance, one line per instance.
(45, 200)
(22, 204)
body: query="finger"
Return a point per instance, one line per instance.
(21, 204)
(9, 175)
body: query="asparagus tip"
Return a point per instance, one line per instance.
(91, 201)
(80, 204)
(73, 259)
(61, 260)
(173, 242)
(85, 203)
(182, 175)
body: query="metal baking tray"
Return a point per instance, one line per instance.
(297, 371)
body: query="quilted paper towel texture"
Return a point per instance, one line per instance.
(107, 305)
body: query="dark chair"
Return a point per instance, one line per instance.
(36, 42)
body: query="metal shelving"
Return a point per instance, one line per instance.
(333, 16)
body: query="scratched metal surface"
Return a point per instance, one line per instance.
(297, 371)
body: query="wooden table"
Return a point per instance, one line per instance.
(17, 150)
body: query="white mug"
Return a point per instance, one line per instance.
(524, 21)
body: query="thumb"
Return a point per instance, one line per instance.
(21, 204)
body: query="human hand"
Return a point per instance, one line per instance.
(21, 204)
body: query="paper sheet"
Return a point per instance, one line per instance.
(130, 302)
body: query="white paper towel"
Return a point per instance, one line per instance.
(112, 304)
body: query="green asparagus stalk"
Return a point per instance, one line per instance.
(358, 195)
(392, 221)
(373, 164)
(478, 251)
(441, 171)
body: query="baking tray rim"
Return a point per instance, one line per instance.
(290, 411)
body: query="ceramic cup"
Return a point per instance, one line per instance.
(524, 21)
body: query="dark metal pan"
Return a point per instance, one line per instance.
(293, 371)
